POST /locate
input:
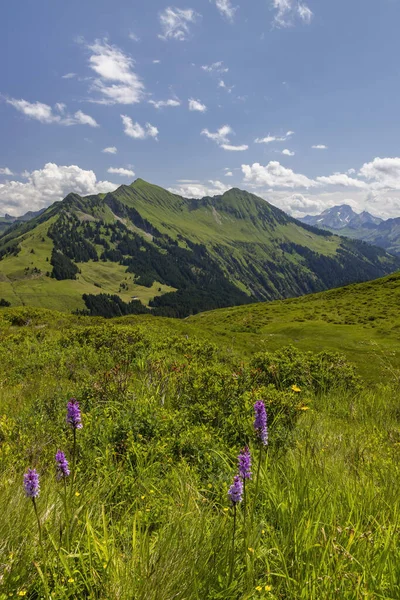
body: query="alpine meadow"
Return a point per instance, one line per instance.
(199, 300)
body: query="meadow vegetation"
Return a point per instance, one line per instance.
(165, 412)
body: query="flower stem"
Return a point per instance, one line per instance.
(233, 546)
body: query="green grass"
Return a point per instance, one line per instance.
(164, 416)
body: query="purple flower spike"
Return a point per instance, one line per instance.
(31, 483)
(244, 460)
(74, 414)
(235, 492)
(260, 422)
(61, 465)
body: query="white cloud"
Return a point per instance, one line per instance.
(175, 23)
(273, 138)
(320, 147)
(287, 152)
(163, 103)
(45, 186)
(121, 171)
(351, 172)
(217, 67)
(156, 61)
(196, 105)
(69, 76)
(275, 175)
(6, 171)
(110, 150)
(136, 131)
(299, 205)
(222, 84)
(132, 36)
(222, 139)
(231, 148)
(220, 136)
(45, 114)
(84, 119)
(342, 179)
(199, 190)
(226, 9)
(116, 83)
(385, 172)
(228, 174)
(287, 11)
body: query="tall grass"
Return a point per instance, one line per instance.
(149, 518)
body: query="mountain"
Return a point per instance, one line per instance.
(364, 226)
(341, 216)
(8, 220)
(115, 253)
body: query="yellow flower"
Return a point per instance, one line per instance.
(250, 549)
(259, 588)
(210, 485)
(22, 593)
(105, 566)
(77, 494)
(143, 497)
(71, 580)
(304, 408)
(226, 509)
(151, 491)
(296, 388)
(268, 588)
(263, 531)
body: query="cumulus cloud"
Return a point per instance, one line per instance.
(196, 105)
(175, 23)
(342, 179)
(384, 171)
(287, 152)
(226, 9)
(275, 175)
(288, 11)
(136, 131)
(228, 174)
(274, 138)
(319, 147)
(299, 205)
(195, 189)
(164, 103)
(110, 150)
(232, 148)
(220, 136)
(46, 114)
(217, 67)
(45, 186)
(116, 81)
(6, 171)
(121, 171)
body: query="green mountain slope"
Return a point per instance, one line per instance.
(178, 255)
(361, 320)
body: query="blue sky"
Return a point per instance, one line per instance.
(295, 101)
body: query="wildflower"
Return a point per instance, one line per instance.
(235, 492)
(251, 550)
(296, 388)
(61, 465)
(77, 494)
(244, 460)
(258, 588)
(71, 580)
(22, 593)
(304, 408)
(260, 422)
(268, 588)
(74, 414)
(31, 483)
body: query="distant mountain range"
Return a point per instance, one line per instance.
(143, 248)
(364, 226)
(8, 220)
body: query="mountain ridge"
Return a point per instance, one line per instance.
(143, 246)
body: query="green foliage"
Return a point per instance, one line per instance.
(318, 372)
(165, 414)
(63, 267)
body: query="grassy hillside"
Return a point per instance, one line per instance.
(362, 320)
(176, 255)
(145, 512)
